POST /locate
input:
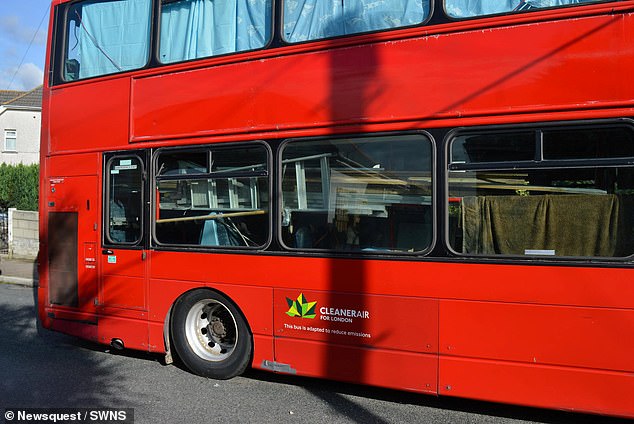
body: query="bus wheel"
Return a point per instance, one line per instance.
(210, 335)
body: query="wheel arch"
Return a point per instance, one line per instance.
(254, 303)
(170, 311)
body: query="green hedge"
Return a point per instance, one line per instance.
(19, 186)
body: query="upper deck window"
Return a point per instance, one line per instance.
(192, 29)
(105, 37)
(306, 20)
(472, 8)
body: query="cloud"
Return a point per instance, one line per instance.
(27, 77)
(14, 29)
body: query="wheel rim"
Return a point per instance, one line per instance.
(211, 330)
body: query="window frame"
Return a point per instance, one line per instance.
(561, 164)
(518, 12)
(8, 137)
(155, 178)
(110, 158)
(361, 252)
(156, 33)
(280, 27)
(61, 42)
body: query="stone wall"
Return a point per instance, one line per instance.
(24, 238)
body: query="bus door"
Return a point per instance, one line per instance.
(72, 242)
(123, 254)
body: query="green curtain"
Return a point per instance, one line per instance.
(566, 225)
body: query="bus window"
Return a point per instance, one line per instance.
(212, 197)
(105, 37)
(575, 199)
(192, 29)
(369, 194)
(471, 8)
(306, 20)
(498, 147)
(562, 144)
(125, 200)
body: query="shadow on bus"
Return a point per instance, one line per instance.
(341, 397)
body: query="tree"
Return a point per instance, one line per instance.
(19, 186)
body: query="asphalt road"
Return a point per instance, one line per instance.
(53, 370)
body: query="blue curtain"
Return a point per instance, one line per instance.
(113, 36)
(314, 19)
(468, 8)
(192, 29)
(553, 3)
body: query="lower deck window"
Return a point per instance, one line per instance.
(565, 207)
(125, 200)
(369, 194)
(212, 197)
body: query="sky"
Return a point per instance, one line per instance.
(22, 45)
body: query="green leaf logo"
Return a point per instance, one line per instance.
(301, 307)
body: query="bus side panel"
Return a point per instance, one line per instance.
(83, 330)
(535, 284)
(545, 284)
(104, 124)
(540, 355)
(585, 337)
(574, 389)
(71, 238)
(358, 319)
(378, 367)
(60, 177)
(133, 331)
(388, 341)
(74, 165)
(563, 67)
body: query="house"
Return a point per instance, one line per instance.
(20, 122)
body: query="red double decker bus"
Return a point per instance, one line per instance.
(430, 195)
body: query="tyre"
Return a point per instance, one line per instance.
(210, 336)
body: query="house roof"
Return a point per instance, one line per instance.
(31, 98)
(8, 95)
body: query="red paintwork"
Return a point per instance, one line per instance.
(430, 78)
(380, 367)
(550, 336)
(123, 292)
(103, 125)
(75, 194)
(133, 331)
(73, 165)
(74, 328)
(359, 337)
(123, 283)
(375, 321)
(600, 338)
(575, 389)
